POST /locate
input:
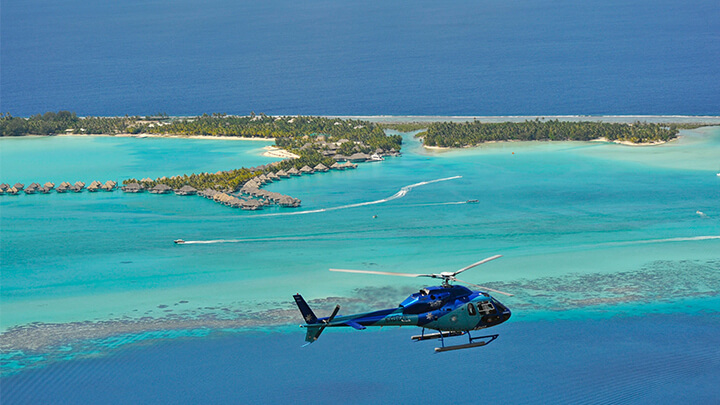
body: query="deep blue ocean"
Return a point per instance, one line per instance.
(361, 58)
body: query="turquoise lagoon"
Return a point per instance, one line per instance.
(587, 230)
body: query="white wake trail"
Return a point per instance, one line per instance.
(400, 194)
(647, 241)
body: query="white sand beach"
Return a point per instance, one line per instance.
(274, 151)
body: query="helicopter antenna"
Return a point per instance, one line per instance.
(446, 276)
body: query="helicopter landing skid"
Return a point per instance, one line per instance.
(442, 335)
(428, 336)
(467, 345)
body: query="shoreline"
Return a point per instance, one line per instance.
(605, 140)
(275, 152)
(215, 137)
(711, 120)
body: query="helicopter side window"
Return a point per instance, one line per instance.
(471, 309)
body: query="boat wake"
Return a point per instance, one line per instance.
(278, 239)
(400, 194)
(648, 241)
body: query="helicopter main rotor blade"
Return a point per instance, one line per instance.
(476, 264)
(382, 273)
(484, 288)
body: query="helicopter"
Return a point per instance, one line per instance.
(451, 310)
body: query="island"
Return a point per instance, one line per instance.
(464, 134)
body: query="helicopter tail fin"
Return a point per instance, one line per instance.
(307, 313)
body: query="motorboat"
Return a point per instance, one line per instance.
(179, 241)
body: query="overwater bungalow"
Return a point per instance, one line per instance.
(77, 187)
(32, 188)
(4, 186)
(11, 191)
(306, 170)
(94, 186)
(287, 201)
(109, 185)
(282, 174)
(359, 157)
(273, 176)
(320, 168)
(293, 172)
(348, 165)
(208, 193)
(161, 189)
(62, 188)
(251, 205)
(336, 166)
(45, 189)
(49, 185)
(19, 186)
(340, 158)
(132, 188)
(186, 190)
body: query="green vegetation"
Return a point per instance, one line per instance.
(448, 134)
(232, 180)
(62, 122)
(291, 132)
(314, 139)
(404, 126)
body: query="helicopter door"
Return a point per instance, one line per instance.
(471, 309)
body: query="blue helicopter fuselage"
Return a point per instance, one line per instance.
(444, 308)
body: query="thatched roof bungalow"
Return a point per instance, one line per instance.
(161, 189)
(251, 205)
(19, 186)
(109, 185)
(186, 190)
(49, 185)
(337, 166)
(132, 188)
(282, 174)
(320, 168)
(4, 186)
(293, 172)
(359, 157)
(11, 191)
(273, 176)
(93, 187)
(79, 184)
(287, 201)
(307, 170)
